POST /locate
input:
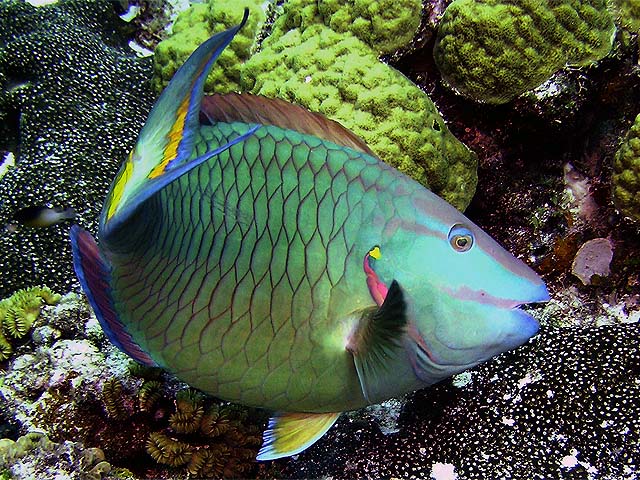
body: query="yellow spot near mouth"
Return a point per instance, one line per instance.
(375, 252)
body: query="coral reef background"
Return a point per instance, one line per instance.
(555, 159)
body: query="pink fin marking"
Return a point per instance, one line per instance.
(377, 289)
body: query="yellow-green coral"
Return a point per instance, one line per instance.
(385, 25)
(19, 312)
(196, 25)
(495, 50)
(323, 55)
(148, 395)
(189, 412)
(626, 173)
(628, 14)
(339, 76)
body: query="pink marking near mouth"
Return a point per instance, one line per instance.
(377, 288)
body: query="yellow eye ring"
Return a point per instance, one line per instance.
(461, 238)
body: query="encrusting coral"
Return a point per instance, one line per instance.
(494, 50)
(19, 311)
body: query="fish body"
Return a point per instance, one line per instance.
(264, 255)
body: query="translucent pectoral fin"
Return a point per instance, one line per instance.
(376, 342)
(291, 433)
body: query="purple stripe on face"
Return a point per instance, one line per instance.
(534, 294)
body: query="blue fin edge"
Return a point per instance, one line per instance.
(93, 272)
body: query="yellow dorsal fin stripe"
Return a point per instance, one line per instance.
(174, 136)
(119, 186)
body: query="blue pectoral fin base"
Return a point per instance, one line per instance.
(93, 273)
(291, 433)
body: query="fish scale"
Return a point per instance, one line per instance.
(272, 279)
(263, 254)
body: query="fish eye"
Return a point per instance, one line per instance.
(460, 238)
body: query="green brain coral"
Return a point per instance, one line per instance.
(196, 25)
(385, 25)
(323, 55)
(19, 311)
(339, 76)
(628, 13)
(626, 173)
(495, 50)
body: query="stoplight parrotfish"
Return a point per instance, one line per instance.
(264, 255)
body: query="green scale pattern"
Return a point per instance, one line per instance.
(258, 250)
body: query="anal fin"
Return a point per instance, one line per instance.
(376, 342)
(291, 433)
(93, 271)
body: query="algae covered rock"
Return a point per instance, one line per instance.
(626, 173)
(494, 50)
(339, 76)
(196, 25)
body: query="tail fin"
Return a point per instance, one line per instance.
(93, 271)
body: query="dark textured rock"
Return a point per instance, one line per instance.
(563, 406)
(73, 97)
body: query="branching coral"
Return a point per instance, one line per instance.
(19, 312)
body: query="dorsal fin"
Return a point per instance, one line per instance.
(164, 148)
(248, 108)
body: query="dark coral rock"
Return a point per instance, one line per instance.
(73, 97)
(563, 406)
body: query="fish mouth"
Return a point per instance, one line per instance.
(523, 326)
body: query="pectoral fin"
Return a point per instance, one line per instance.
(376, 341)
(291, 433)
